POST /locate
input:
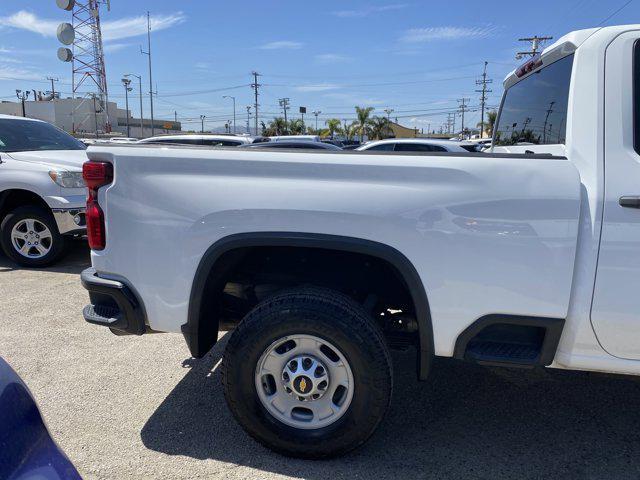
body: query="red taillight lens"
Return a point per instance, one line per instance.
(96, 175)
(95, 225)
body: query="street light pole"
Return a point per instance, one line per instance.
(95, 113)
(388, 111)
(148, 53)
(126, 82)
(140, 93)
(202, 117)
(249, 119)
(234, 110)
(316, 113)
(23, 96)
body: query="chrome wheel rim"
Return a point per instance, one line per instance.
(304, 381)
(31, 238)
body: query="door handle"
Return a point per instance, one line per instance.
(630, 202)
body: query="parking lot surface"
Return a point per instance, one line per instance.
(140, 407)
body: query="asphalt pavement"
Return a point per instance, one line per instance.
(140, 407)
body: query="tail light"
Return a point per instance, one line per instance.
(96, 175)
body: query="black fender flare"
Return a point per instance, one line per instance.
(197, 322)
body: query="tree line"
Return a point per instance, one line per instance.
(373, 127)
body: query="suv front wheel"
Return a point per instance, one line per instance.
(29, 236)
(308, 374)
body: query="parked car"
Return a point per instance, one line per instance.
(337, 143)
(209, 140)
(305, 145)
(415, 145)
(526, 256)
(27, 451)
(299, 138)
(42, 194)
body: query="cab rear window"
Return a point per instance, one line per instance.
(534, 110)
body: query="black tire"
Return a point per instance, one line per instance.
(57, 246)
(331, 316)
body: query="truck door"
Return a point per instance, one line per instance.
(615, 313)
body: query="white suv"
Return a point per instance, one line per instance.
(42, 194)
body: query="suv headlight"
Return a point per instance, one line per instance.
(67, 179)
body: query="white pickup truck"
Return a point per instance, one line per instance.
(42, 194)
(321, 262)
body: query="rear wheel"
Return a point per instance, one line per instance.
(308, 374)
(29, 236)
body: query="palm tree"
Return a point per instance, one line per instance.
(348, 131)
(296, 127)
(492, 115)
(333, 124)
(380, 128)
(363, 114)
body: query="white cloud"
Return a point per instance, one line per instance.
(422, 35)
(116, 47)
(24, 20)
(111, 29)
(331, 58)
(366, 11)
(318, 87)
(134, 26)
(281, 45)
(8, 72)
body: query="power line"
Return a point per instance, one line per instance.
(615, 12)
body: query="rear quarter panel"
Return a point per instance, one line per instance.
(486, 234)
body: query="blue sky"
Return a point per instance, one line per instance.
(414, 57)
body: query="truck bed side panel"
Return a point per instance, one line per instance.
(486, 234)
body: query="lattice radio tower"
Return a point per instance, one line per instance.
(83, 34)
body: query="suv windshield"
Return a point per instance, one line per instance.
(26, 135)
(534, 110)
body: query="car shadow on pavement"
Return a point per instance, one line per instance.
(466, 421)
(75, 260)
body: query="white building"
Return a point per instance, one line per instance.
(79, 116)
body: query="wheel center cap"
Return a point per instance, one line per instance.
(305, 378)
(303, 385)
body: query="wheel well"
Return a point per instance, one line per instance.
(11, 199)
(239, 272)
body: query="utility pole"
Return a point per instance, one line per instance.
(483, 82)
(546, 120)
(316, 113)
(284, 103)
(388, 111)
(53, 88)
(255, 85)
(22, 96)
(463, 108)
(148, 53)
(175, 116)
(451, 122)
(126, 82)
(127, 75)
(536, 43)
(248, 107)
(234, 111)
(202, 117)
